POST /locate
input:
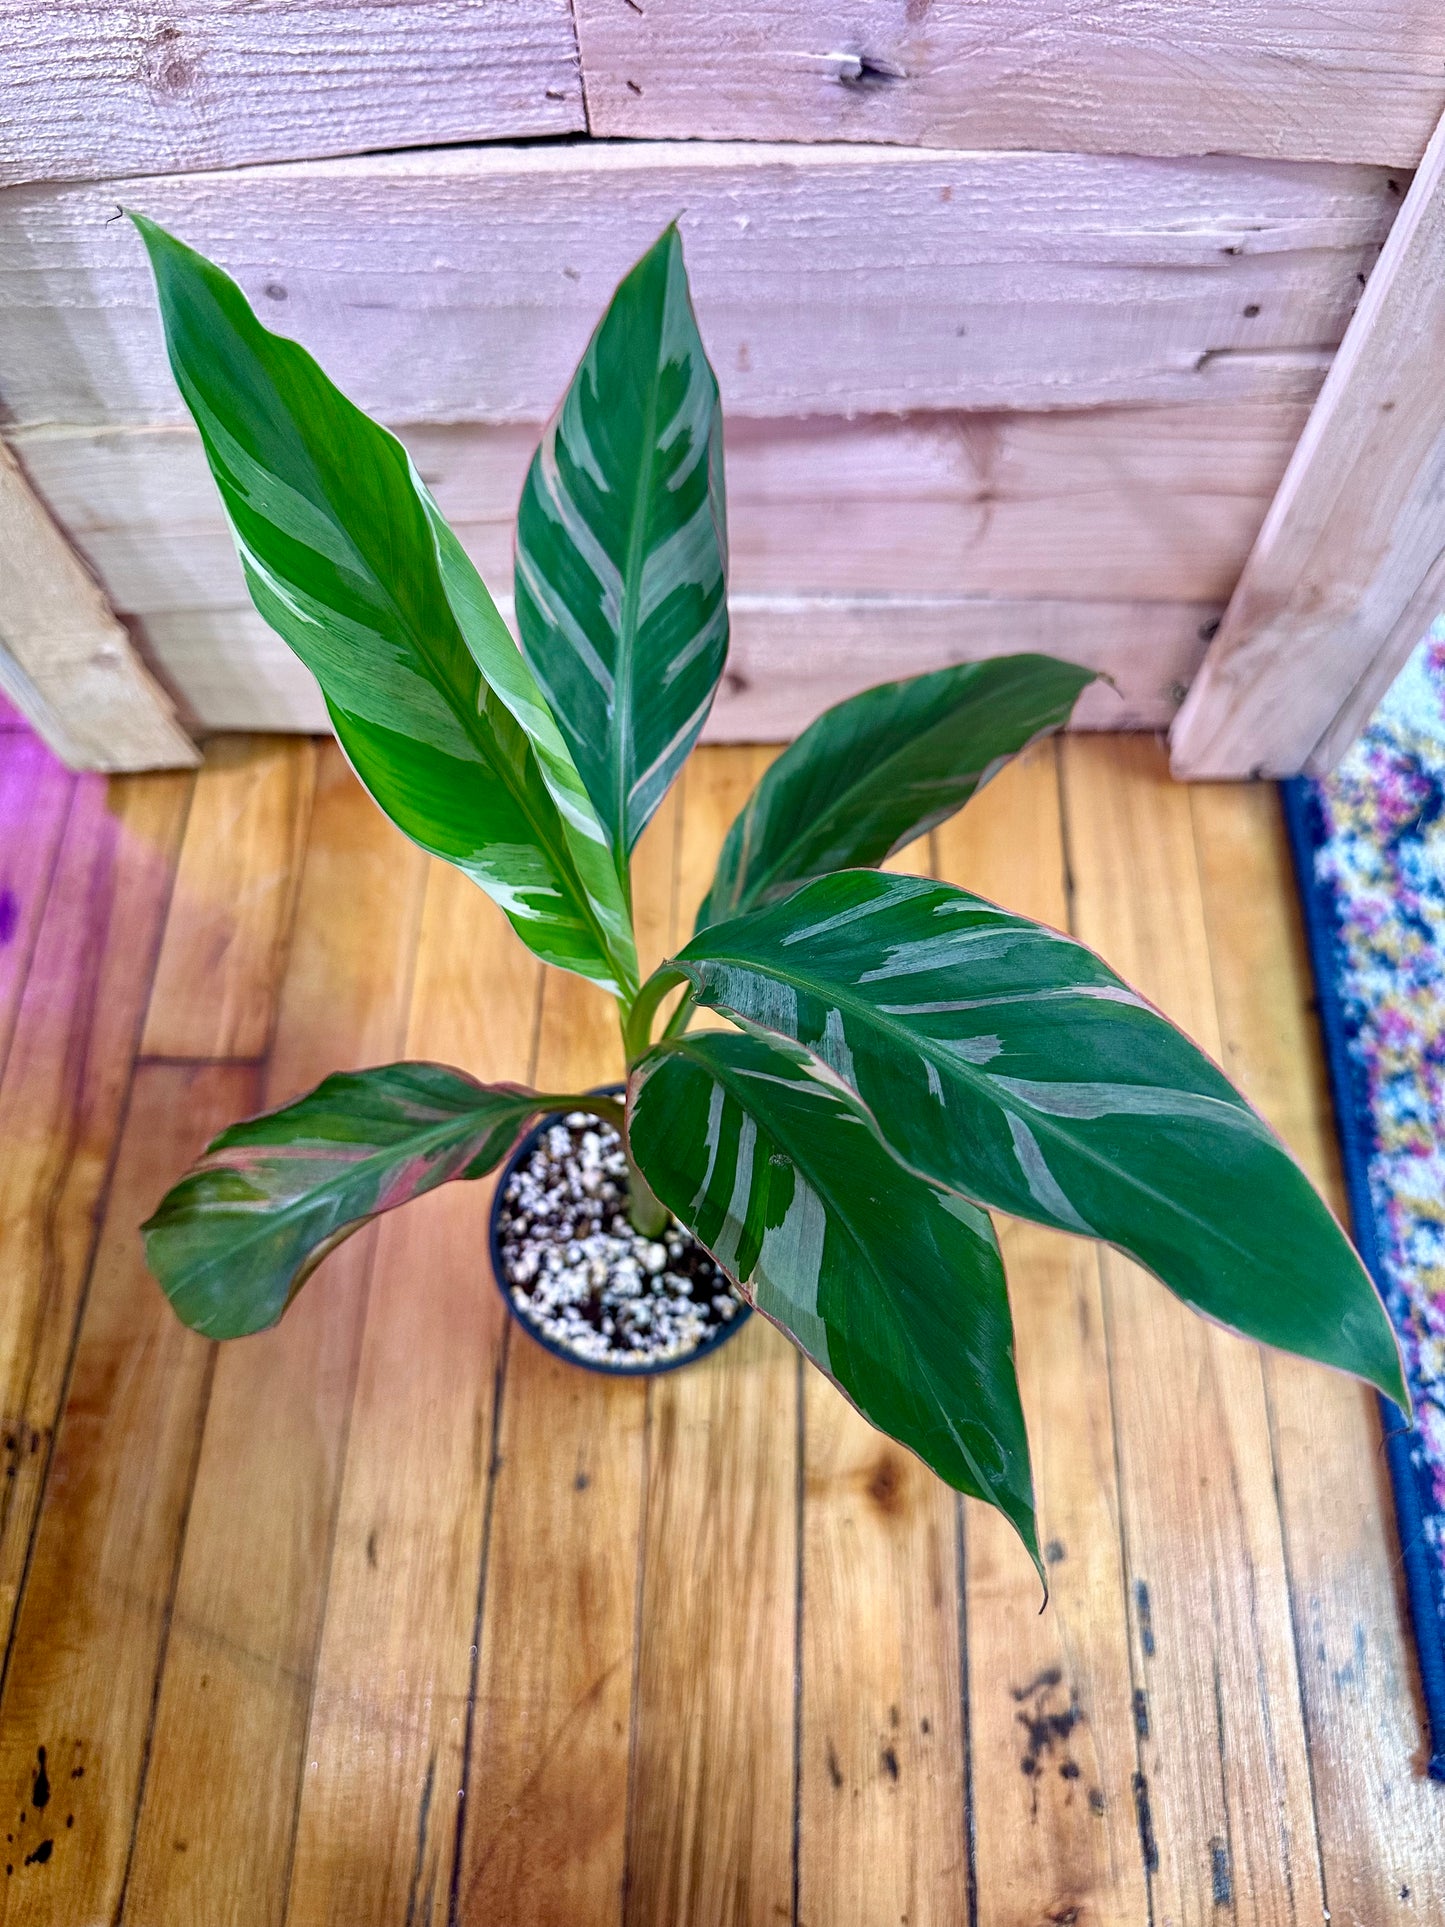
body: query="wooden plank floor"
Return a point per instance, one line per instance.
(387, 1617)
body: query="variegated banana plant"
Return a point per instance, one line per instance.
(905, 1057)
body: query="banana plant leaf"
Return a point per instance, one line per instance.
(892, 1286)
(235, 1240)
(621, 574)
(430, 697)
(884, 767)
(1009, 1063)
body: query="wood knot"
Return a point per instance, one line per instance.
(164, 64)
(885, 1484)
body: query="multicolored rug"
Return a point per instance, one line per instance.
(1369, 847)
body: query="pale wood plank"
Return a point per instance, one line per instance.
(1163, 77)
(65, 660)
(790, 657)
(710, 1830)
(1224, 1770)
(219, 975)
(711, 1822)
(1155, 504)
(1347, 572)
(96, 1609)
(1381, 1838)
(35, 794)
(378, 1813)
(1063, 1834)
(90, 91)
(543, 1824)
(828, 281)
(216, 1825)
(881, 1793)
(882, 1779)
(61, 1100)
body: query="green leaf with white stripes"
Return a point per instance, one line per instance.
(1009, 1063)
(893, 1286)
(236, 1239)
(884, 767)
(621, 574)
(349, 561)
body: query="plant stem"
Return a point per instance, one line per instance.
(646, 1210)
(678, 1022)
(637, 1024)
(609, 1109)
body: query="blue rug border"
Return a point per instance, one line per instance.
(1356, 1136)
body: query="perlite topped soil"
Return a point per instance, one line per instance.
(578, 1273)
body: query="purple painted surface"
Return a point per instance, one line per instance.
(35, 795)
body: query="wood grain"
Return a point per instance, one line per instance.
(218, 979)
(710, 1836)
(1052, 1728)
(1113, 504)
(89, 91)
(65, 660)
(710, 1829)
(1163, 77)
(288, 1645)
(1379, 1817)
(93, 1621)
(790, 657)
(35, 794)
(882, 1773)
(215, 1830)
(61, 1101)
(1223, 1796)
(544, 1813)
(881, 1779)
(1349, 569)
(377, 1821)
(827, 281)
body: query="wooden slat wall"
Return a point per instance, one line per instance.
(1349, 569)
(87, 91)
(1112, 504)
(94, 91)
(975, 381)
(1111, 536)
(790, 656)
(976, 402)
(1305, 81)
(64, 658)
(828, 281)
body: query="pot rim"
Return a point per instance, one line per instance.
(604, 1367)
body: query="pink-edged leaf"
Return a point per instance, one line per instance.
(235, 1240)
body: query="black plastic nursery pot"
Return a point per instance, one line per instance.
(642, 1315)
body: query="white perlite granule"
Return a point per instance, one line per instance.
(580, 1275)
